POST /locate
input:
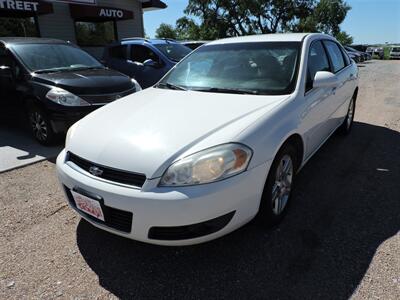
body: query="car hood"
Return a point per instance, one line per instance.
(146, 131)
(89, 82)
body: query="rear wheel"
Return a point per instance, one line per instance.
(278, 187)
(347, 124)
(40, 126)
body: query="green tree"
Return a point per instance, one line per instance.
(224, 18)
(166, 31)
(344, 38)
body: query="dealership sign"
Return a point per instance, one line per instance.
(99, 13)
(30, 7)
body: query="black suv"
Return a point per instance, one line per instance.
(55, 83)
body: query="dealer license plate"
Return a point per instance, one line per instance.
(88, 205)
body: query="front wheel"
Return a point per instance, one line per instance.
(40, 126)
(278, 187)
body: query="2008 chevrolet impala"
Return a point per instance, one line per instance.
(217, 142)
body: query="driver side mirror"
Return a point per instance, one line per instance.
(151, 63)
(325, 79)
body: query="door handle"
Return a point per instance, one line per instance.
(333, 90)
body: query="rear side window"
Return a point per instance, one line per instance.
(317, 61)
(119, 52)
(346, 56)
(336, 56)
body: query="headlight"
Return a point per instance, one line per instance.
(63, 97)
(207, 166)
(137, 85)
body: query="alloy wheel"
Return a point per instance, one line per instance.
(283, 184)
(39, 126)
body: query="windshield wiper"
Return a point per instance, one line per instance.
(171, 86)
(229, 90)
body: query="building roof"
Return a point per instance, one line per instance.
(148, 5)
(272, 37)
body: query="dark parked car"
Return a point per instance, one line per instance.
(364, 55)
(55, 83)
(353, 56)
(146, 60)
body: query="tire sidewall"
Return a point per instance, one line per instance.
(266, 216)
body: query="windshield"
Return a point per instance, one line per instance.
(256, 68)
(54, 57)
(174, 51)
(396, 50)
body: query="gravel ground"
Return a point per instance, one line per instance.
(340, 238)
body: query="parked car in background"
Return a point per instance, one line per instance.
(55, 83)
(376, 51)
(146, 60)
(358, 57)
(364, 55)
(394, 53)
(380, 52)
(218, 141)
(354, 56)
(370, 51)
(194, 44)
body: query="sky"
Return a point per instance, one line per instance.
(369, 21)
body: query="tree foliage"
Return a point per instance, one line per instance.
(166, 31)
(213, 19)
(344, 38)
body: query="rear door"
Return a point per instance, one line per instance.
(340, 66)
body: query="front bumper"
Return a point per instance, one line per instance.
(155, 212)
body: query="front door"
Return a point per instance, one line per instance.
(318, 101)
(8, 93)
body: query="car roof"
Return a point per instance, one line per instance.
(30, 40)
(150, 41)
(271, 37)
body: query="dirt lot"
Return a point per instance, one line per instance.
(340, 239)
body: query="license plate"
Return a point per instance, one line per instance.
(88, 205)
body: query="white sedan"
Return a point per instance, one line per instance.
(217, 142)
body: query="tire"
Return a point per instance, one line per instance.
(274, 207)
(347, 124)
(40, 126)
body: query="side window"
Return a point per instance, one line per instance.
(317, 61)
(336, 56)
(141, 53)
(346, 57)
(118, 52)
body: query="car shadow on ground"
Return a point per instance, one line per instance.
(17, 145)
(345, 205)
